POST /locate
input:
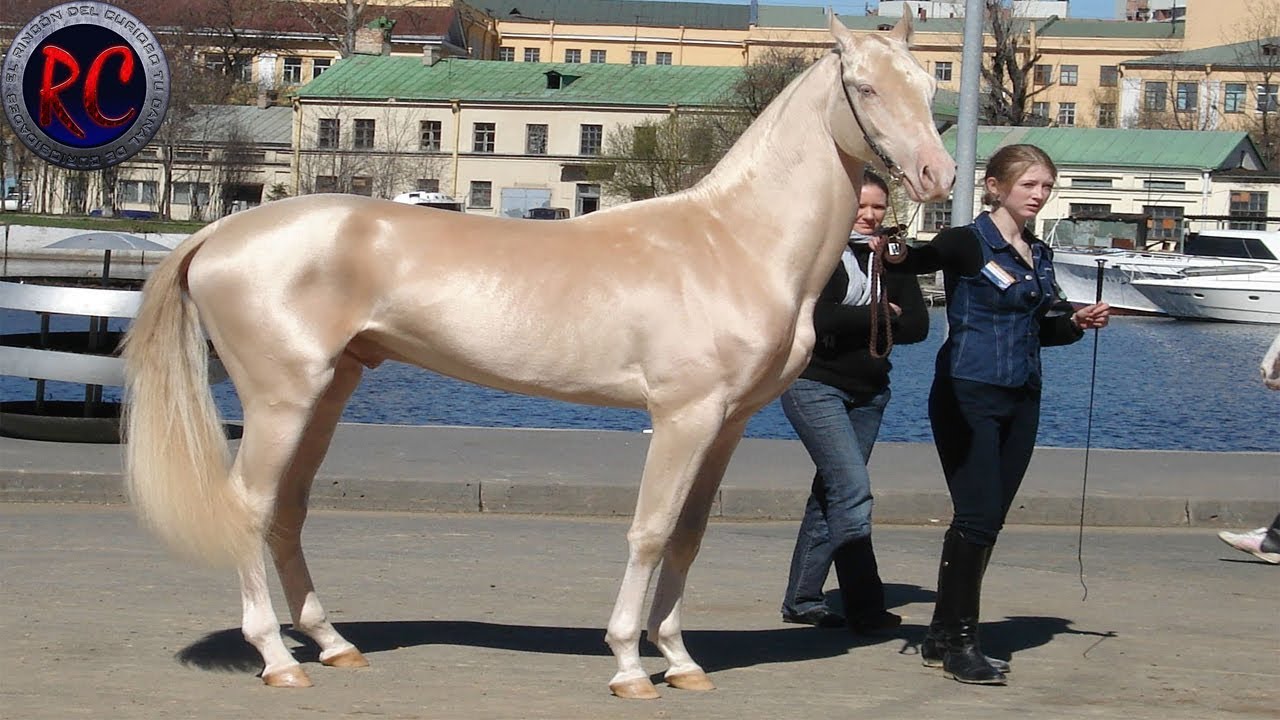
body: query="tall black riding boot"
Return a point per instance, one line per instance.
(861, 588)
(934, 645)
(959, 598)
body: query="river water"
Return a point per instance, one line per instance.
(1161, 384)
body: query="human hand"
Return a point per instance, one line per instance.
(879, 245)
(1092, 317)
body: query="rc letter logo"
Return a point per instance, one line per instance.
(85, 85)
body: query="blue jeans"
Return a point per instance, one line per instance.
(839, 430)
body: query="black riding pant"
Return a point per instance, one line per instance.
(985, 435)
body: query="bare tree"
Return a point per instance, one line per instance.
(1259, 57)
(1008, 76)
(336, 20)
(657, 157)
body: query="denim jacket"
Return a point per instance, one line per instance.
(995, 316)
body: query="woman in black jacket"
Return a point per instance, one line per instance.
(835, 407)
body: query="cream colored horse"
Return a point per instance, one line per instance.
(695, 306)
(1271, 365)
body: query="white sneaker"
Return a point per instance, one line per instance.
(1250, 542)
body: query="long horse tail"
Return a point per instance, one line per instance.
(177, 459)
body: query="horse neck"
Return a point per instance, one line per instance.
(784, 188)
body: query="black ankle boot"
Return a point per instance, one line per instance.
(959, 597)
(861, 589)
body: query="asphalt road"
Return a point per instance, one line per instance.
(500, 616)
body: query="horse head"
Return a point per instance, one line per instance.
(886, 116)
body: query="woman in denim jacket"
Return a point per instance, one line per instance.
(835, 407)
(1002, 307)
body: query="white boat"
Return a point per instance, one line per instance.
(1218, 251)
(1203, 294)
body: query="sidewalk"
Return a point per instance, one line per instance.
(596, 473)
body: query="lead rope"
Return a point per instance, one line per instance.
(880, 323)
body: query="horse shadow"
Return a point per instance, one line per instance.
(227, 651)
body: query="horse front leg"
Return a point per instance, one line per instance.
(676, 452)
(664, 627)
(285, 539)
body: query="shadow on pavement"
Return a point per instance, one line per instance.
(227, 651)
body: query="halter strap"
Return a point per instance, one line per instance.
(895, 172)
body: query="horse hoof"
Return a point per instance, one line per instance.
(350, 658)
(696, 680)
(290, 677)
(638, 689)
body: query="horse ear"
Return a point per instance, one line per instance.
(903, 30)
(840, 32)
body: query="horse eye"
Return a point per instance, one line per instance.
(866, 90)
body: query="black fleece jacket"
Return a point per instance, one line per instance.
(842, 352)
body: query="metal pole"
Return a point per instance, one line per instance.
(967, 121)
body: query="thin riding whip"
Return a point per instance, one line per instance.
(1088, 437)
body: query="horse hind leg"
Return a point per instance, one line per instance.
(285, 538)
(676, 453)
(664, 626)
(277, 409)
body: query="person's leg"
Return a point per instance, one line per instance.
(967, 420)
(804, 601)
(820, 415)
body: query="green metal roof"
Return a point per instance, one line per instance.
(1103, 147)
(791, 16)
(376, 77)
(1110, 29)
(645, 13)
(1246, 55)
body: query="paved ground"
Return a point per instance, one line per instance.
(501, 616)
(381, 467)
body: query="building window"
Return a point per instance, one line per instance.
(590, 139)
(215, 64)
(362, 185)
(362, 137)
(1108, 76)
(1248, 210)
(481, 194)
(573, 55)
(326, 183)
(482, 137)
(141, 192)
(1067, 114)
(1153, 96)
(639, 57)
(1042, 74)
(327, 133)
(942, 71)
(1106, 115)
(427, 185)
(429, 135)
(1187, 96)
(1268, 96)
(1089, 209)
(597, 56)
(1164, 185)
(532, 55)
(535, 139)
(937, 216)
(292, 74)
(1164, 223)
(662, 58)
(1233, 97)
(318, 66)
(1069, 75)
(190, 155)
(184, 193)
(586, 198)
(244, 65)
(507, 54)
(1040, 110)
(1091, 182)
